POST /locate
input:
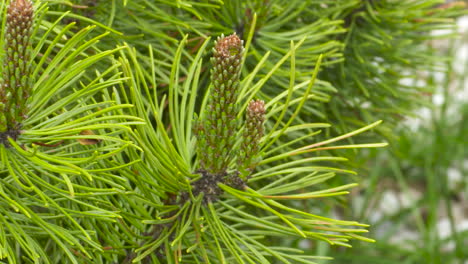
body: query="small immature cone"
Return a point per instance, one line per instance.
(216, 132)
(16, 83)
(253, 133)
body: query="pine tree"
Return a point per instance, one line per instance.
(208, 131)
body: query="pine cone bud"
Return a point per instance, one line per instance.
(253, 133)
(220, 121)
(15, 83)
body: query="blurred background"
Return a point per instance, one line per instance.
(416, 195)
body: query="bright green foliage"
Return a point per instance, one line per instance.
(179, 217)
(367, 47)
(52, 186)
(15, 82)
(147, 153)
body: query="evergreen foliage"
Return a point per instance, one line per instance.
(124, 139)
(51, 186)
(367, 47)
